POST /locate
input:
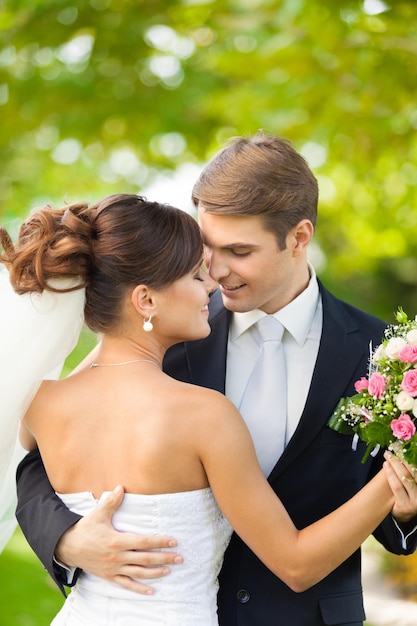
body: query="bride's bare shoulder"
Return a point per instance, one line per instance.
(208, 401)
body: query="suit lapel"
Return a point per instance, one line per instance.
(338, 357)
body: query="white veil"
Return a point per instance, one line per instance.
(37, 332)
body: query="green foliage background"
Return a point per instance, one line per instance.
(28, 597)
(97, 96)
(100, 96)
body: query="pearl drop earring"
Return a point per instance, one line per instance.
(147, 325)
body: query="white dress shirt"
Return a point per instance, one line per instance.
(302, 319)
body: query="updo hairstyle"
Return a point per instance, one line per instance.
(112, 246)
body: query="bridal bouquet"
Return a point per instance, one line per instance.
(383, 412)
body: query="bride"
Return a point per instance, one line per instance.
(134, 268)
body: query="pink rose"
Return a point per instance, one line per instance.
(408, 354)
(403, 427)
(361, 384)
(376, 385)
(409, 383)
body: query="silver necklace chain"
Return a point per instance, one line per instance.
(94, 364)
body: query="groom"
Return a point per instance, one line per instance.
(252, 188)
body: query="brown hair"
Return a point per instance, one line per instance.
(264, 176)
(118, 243)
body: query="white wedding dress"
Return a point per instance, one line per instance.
(187, 596)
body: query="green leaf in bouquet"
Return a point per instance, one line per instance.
(410, 455)
(376, 433)
(369, 448)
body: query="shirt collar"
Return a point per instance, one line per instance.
(297, 316)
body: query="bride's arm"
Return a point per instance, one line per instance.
(301, 558)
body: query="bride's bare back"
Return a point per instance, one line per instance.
(138, 426)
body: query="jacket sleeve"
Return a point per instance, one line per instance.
(397, 538)
(42, 515)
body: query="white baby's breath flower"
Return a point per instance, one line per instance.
(404, 402)
(394, 347)
(379, 354)
(412, 337)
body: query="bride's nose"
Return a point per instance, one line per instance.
(210, 284)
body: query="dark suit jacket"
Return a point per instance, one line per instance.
(317, 472)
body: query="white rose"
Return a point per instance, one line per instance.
(394, 347)
(414, 409)
(379, 354)
(412, 337)
(404, 402)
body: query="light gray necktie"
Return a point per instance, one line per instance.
(264, 402)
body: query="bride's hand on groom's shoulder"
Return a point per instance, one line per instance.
(93, 545)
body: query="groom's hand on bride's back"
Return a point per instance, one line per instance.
(93, 545)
